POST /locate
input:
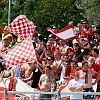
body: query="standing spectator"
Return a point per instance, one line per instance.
(16, 69)
(76, 85)
(85, 31)
(57, 63)
(68, 70)
(96, 40)
(45, 83)
(27, 73)
(7, 35)
(65, 58)
(95, 53)
(86, 74)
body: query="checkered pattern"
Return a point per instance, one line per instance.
(21, 27)
(21, 53)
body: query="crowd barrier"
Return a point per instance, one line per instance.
(58, 95)
(25, 92)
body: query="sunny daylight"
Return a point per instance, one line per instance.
(49, 49)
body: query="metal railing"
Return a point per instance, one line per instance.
(58, 94)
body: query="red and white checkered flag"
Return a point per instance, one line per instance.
(21, 27)
(21, 53)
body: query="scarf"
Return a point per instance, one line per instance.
(86, 76)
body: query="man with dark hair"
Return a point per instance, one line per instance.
(45, 82)
(86, 74)
(5, 44)
(96, 40)
(85, 31)
(95, 53)
(85, 55)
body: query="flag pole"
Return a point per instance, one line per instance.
(9, 12)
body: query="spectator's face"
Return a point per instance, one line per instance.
(56, 56)
(51, 39)
(77, 34)
(97, 36)
(47, 71)
(49, 61)
(91, 61)
(6, 43)
(93, 53)
(66, 65)
(87, 46)
(54, 28)
(76, 48)
(66, 58)
(73, 65)
(62, 42)
(35, 38)
(48, 46)
(49, 53)
(76, 75)
(85, 25)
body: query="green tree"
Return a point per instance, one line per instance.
(45, 12)
(92, 10)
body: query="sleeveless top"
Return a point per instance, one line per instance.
(7, 74)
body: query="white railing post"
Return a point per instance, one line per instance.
(58, 95)
(5, 95)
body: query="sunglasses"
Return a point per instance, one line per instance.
(84, 23)
(48, 45)
(76, 34)
(54, 28)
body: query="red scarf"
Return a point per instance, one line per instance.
(68, 71)
(11, 84)
(86, 76)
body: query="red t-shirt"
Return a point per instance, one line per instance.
(68, 51)
(69, 71)
(88, 31)
(96, 68)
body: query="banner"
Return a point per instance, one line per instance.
(67, 33)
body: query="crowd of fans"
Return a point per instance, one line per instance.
(58, 60)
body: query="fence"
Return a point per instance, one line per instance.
(56, 95)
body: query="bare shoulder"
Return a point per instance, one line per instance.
(28, 66)
(92, 71)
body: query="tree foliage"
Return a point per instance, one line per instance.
(43, 12)
(92, 10)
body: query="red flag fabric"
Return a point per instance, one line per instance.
(67, 33)
(21, 27)
(20, 53)
(1, 29)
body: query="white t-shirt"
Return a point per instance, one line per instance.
(16, 69)
(76, 83)
(62, 72)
